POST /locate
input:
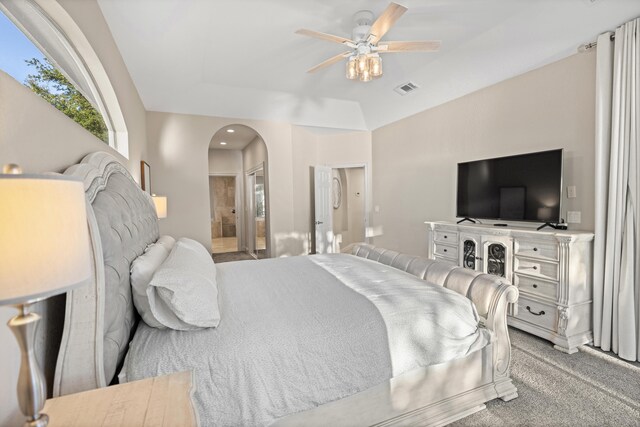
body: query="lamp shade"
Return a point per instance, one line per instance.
(44, 238)
(161, 205)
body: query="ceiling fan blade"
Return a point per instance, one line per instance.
(324, 36)
(391, 14)
(329, 61)
(414, 46)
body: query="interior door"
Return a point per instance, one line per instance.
(260, 243)
(323, 206)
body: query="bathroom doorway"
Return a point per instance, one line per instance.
(224, 201)
(239, 193)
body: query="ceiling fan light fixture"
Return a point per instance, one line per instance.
(352, 68)
(363, 63)
(365, 76)
(375, 66)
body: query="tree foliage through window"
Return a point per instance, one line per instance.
(50, 84)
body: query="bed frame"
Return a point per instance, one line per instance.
(100, 318)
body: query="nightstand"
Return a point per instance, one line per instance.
(159, 401)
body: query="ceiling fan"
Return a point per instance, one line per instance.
(363, 59)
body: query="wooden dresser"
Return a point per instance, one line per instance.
(552, 270)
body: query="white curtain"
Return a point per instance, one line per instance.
(616, 299)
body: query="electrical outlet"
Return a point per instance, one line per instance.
(574, 217)
(571, 192)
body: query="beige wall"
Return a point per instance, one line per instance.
(354, 195)
(330, 149)
(255, 154)
(225, 161)
(179, 164)
(42, 139)
(415, 158)
(348, 218)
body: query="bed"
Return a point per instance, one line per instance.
(323, 339)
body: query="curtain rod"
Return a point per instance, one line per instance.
(588, 46)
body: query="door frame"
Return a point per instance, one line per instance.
(239, 205)
(250, 210)
(367, 186)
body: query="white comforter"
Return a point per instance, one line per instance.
(299, 332)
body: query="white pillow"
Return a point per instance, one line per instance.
(183, 293)
(167, 242)
(142, 270)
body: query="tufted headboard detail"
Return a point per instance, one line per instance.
(100, 317)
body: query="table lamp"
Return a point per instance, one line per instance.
(161, 205)
(44, 251)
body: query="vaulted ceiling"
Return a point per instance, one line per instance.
(241, 58)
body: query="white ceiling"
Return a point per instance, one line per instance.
(236, 140)
(241, 58)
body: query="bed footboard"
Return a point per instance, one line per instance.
(489, 294)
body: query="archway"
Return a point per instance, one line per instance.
(239, 192)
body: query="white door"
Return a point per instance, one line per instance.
(250, 210)
(323, 210)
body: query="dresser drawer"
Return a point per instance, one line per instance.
(443, 236)
(447, 260)
(446, 251)
(533, 267)
(533, 249)
(536, 287)
(537, 313)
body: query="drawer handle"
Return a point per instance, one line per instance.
(445, 250)
(535, 267)
(535, 286)
(535, 249)
(445, 236)
(535, 314)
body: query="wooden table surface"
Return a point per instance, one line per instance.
(160, 401)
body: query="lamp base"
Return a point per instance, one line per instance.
(31, 384)
(42, 421)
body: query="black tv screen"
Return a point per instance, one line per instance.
(527, 187)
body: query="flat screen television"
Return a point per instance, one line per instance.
(527, 187)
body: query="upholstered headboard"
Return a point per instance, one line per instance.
(122, 222)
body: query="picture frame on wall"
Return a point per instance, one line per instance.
(145, 177)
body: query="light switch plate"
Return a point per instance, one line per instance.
(571, 192)
(574, 217)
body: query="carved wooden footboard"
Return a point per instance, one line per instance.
(439, 394)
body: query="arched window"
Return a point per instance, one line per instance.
(60, 65)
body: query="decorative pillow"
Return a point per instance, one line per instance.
(183, 293)
(167, 242)
(142, 270)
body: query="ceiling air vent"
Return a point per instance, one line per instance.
(405, 88)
